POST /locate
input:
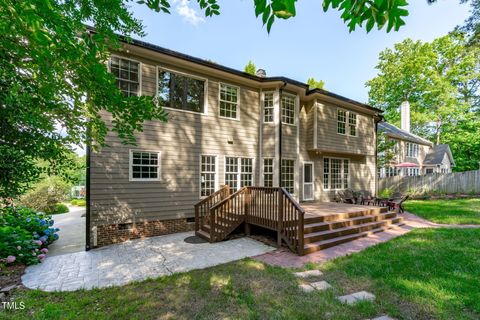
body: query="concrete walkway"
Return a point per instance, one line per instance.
(285, 258)
(71, 234)
(135, 260)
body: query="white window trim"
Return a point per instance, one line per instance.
(295, 115)
(238, 169)
(262, 174)
(130, 164)
(200, 174)
(139, 91)
(205, 89)
(238, 100)
(347, 115)
(407, 151)
(294, 173)
(313, 181)
(330, 173)
(263, 107)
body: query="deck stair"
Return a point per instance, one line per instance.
(324, 231)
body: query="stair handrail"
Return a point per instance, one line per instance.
(202, 207)
(292, 222)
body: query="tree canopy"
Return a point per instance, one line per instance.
(314, 84)
(441, 82)
(250, 68)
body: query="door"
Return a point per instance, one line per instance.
(308, 181)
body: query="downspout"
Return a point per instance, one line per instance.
(280, 135)
(377, 120)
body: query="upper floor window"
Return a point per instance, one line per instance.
(229, 101)
(344, 127)
(127, 74)
(144, 165)
(412, 150)
(288, 109)
(268, 107)
(181, 92)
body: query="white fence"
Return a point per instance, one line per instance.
(458, 182)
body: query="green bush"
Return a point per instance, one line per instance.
(18, 245)
(385, 193)
(46, 195)
(80, 202)
(59, 208)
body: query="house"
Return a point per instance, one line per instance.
(413, 155)
(225, 127)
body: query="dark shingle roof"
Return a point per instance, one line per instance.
(396, 132)
(437, 153)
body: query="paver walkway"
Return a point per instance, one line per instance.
(135, 260)
(285, 258)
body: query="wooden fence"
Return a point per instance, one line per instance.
(458, 182)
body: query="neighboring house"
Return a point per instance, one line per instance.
(413, 155)
(224, 127)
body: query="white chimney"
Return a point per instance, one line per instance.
(405, 115)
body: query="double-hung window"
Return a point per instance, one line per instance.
(268, 107)
(412, 172)
(346, 122)
(181, 92)
(144, 165)
(288, 109)
(238, 172)
(268, 172)
(229, 101)
(288, 175)
(336, 173)
(208, 175)
(127, 74)
(412, 150)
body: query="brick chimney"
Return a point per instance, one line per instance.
(405, 116)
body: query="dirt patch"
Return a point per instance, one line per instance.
(11, 275)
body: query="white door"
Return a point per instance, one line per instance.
(308, 181)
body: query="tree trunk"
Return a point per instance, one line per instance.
(438, 130)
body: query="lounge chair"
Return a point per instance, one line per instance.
(397, 204)
(345, 197)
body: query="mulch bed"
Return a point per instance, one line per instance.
(11, 275)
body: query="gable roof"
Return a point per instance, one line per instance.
(437, 153)
(395, 132)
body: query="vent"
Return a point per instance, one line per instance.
(125, 226)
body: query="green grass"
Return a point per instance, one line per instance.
(457, 211)
(430, 273)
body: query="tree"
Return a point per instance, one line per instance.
(386, 152)
(312, 83)
(440, 80)
(250, 68)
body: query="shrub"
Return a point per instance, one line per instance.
(18, 245)
(81, 202)
(46, 195)
(59, 208)
(385, 193)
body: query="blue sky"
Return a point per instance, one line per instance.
(313, 43)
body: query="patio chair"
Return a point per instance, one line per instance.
(365, 197)
(345, 198)
(397, 204)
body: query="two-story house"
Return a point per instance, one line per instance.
(225, 127)
(413, 155)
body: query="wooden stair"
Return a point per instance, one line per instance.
(321, 232)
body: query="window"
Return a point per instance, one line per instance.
(341, 121)
(352, 124)
(411, 172)
(288, 175)
(268, 172)
(336, 173)
(208, 175)
(429, 171)
(229, 101)
(412, 150)
(127, 74)
(144, 166)
(238, 172)
(391, 172)
(268, 107)
(288, 109)
(181, 92)
(342, 127)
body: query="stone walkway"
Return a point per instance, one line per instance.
(285, 258)
(135, 260)
(72, 232)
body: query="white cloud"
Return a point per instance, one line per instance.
(189, 14)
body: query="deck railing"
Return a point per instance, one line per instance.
(202, 208)
(268, 207)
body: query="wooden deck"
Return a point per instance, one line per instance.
(317, 208)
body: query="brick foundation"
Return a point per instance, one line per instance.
(115, 233)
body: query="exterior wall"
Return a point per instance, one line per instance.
(121, 209)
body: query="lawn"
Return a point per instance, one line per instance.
(457, 211)
(430, 273)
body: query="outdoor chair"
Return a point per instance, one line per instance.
(365, 197)
(345, 198)
(397, 204)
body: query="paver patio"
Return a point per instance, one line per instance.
(135, 260)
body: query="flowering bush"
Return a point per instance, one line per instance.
(24, 235)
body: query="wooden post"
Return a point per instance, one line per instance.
(300, 233)
(197, 222)
(280, 217)
(212, 226)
